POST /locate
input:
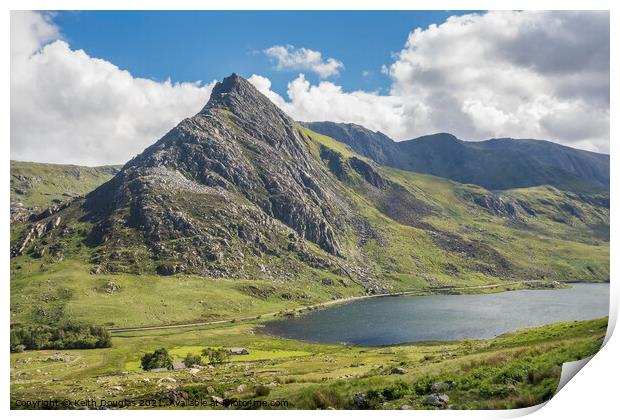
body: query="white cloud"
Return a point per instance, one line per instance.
(287, 57)
(328, 102)
(68, 107)
(528, 74)
(501, 74)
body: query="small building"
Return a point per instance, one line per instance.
(239, 351)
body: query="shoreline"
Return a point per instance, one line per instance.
(336, 302)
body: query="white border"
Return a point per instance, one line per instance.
(592, 394)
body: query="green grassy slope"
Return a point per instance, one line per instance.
(515, 370)
(458, 243)
(455, 241)
(566, 238)
(37, 185)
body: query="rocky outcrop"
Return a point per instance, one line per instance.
(500, 205)
(232, 183)
(36, 231)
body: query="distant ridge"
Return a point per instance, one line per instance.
(496, 164)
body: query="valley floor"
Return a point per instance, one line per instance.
(514, 370)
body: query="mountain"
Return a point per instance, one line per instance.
(223, 188)
(37, 186)
(497, 164)
(374, 145)
(239, 205)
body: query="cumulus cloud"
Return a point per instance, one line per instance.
(527, 74)
(533, 74)
(68, 107)
(287, 57)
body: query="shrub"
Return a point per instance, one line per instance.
(512, 374)
(395, 392)
(423, 386)
(373, 400)
(192, 360)
(216, 354)
(487, 390)
(158, 359)
(62, 337)
(536, 376)
(325, 398)
(261, 390)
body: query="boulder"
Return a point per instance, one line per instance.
(442, 386)
(398, 371)
(174, 395)
(359, 400)
(437, 400)
(111, 287)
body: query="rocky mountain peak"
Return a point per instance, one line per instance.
(239, 97)
(235, 179)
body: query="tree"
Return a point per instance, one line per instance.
(192, 360)
(216, 354)
(67, 335)
(158, 359)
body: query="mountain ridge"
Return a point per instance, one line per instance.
(242, 194)
(496, 164)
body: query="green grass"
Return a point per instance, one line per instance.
(148, 300)
(40, 183)
(401, 258)
(513, 370)
(329, 142)
(179, 353)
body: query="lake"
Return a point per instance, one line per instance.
(403, 319)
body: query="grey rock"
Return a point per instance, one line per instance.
(441, 386)
(437, 399)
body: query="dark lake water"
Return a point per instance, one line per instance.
(401, 319)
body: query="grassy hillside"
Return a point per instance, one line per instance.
(515, 370)
(463, 235)
(36, 186)
(553, 235)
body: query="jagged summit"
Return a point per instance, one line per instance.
(238, 96)
(229, 84)
(235, 179)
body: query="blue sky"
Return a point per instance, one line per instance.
(208, 45)
(91, 87)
